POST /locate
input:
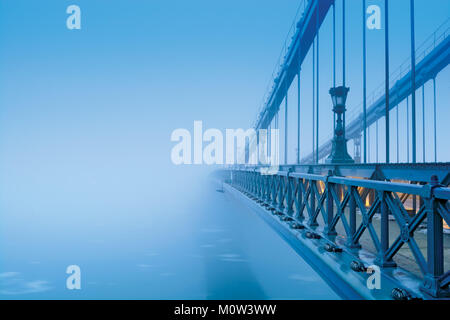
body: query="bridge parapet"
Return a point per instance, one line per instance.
(390, 216)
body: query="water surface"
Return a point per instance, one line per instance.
(185, 245)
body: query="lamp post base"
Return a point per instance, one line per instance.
(339, 153)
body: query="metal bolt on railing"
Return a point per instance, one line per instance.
(400, 294)
(358, 266)
(286, 218)
(332, 248)
(297, 226)
(312, 235)
(275, 212)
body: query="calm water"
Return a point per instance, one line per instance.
(204, 246)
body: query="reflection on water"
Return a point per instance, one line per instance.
(202, 246)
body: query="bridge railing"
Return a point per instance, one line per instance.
(321, 202)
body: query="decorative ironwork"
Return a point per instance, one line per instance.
(301, 198)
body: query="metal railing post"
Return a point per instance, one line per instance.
(264, 191)
(248, 181)
(352, 216)
(268, 191)
(259, 184)
(329, 230)
(435, 244)
(255, 183)
(300, 215)
(384, 230)
(312, 223)
(274, 191)
(281, 196)
(289, 210)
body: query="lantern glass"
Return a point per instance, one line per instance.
(339, 95)
(334, 100)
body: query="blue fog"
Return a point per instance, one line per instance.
(85, 124)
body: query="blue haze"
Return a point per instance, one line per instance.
(85, 124)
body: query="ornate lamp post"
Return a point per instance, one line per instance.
(339, 153)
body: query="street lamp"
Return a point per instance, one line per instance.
(339, 152)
